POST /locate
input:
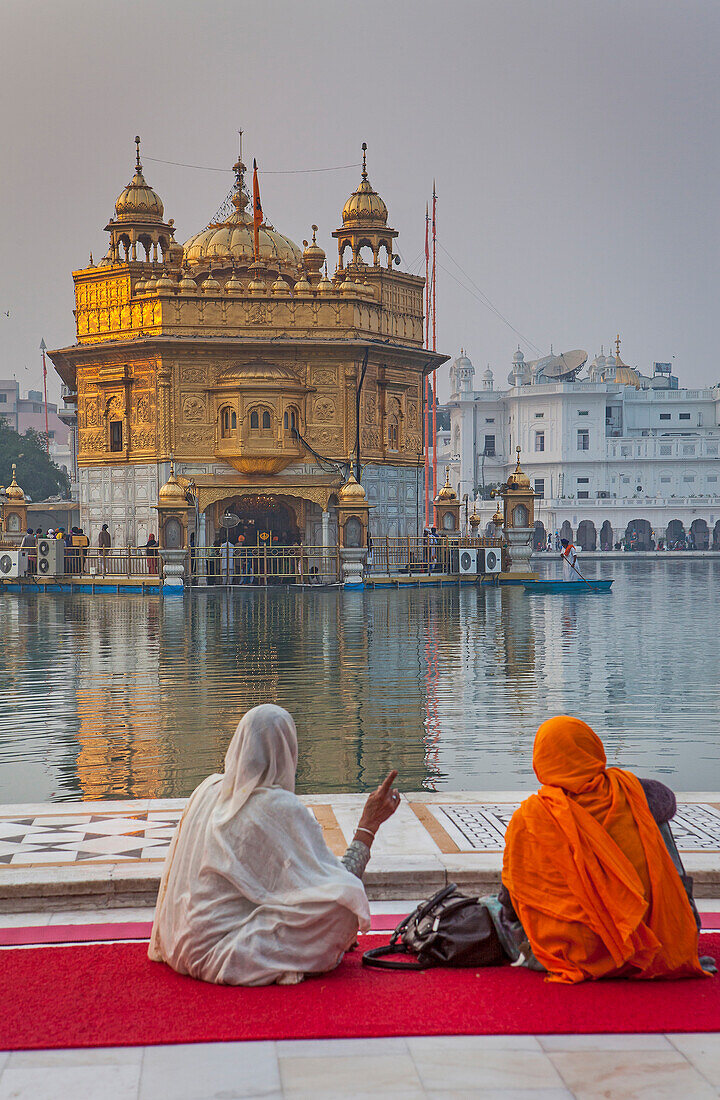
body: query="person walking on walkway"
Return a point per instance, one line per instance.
(151, 555)
(104, 543)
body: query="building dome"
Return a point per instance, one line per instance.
(165, 285)
(233, 285)
(518, 478)
(302, 286)
(230, 244)
(447, 492)
(172, 491)
(138, 201)
(325, 285)
(518, 357)
(210, 286)
(488, 375)
(352, 492)
(13, 491)
(280, 287)
(187, 284)
(313, 258)
(364, 207)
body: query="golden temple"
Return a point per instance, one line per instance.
(264, 380)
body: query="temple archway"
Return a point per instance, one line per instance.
(606, 536)
(260, 515)
(587, 535)
(716, 536)
(700, 534)
(566, 531)
(638, 534)
(675, 535)
(539, 535)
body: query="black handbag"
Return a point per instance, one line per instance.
(449, 929)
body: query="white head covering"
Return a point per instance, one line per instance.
(250, 894)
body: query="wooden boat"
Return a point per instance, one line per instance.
(567, 586)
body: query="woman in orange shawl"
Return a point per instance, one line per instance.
(588, 872)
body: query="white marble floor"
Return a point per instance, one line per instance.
(522, 1067)
(517, 1067)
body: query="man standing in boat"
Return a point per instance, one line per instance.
(569, 555)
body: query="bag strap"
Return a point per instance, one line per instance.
(374, 958)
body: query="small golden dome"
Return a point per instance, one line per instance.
(447, 492)
(518, 478)
(498, 519)
(365, 207)
(302, 286)
(234, 285)
(352, 491)
(280, 287)
(165, 284)
(187, 284)
(138, 201)
(151, 284)
(313, 255)
(257, 283)
(13, 491)
(139, 287)
(325, 285)
(349, 286)
(211, 285)
(172, 491)
(475, 520)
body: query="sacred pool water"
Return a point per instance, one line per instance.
(132, 697)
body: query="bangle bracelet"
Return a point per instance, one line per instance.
(362, 829)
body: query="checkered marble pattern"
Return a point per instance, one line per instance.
(86, 838)
(58, 839)
(474, 828)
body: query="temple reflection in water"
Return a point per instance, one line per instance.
(133, 697)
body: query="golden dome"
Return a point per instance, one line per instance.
(165, 284)
(233, 285)
(139, 287)
(280, 287)
(475, 520)
(13, 491)
(210, 286)
(313, 258)
(518, 478)
(302, 286)
(325, 285)
(187, 284)
(627, 376)
(138, 201)
(364, 207)
(447, 492)
(231, 243)
(498, 519)
(352, 491)
(172, 491)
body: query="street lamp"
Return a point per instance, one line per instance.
(43, 347)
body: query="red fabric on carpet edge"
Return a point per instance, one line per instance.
(112, 995)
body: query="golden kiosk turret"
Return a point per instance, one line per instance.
(447, 508)
(14, 512)
(518, 521)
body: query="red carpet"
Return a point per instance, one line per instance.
(112, 995)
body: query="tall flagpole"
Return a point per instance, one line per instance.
(425, 380)
(43, 346)
(434, 347)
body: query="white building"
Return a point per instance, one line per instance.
(615, 455)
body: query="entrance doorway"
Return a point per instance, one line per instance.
(261, 520)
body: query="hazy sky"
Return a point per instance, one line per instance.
(575, 147)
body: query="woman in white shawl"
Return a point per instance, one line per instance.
(250, 894)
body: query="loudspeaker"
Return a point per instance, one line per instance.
(13, 563)
(50, 557)
(490, 560)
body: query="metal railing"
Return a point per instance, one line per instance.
(264, 565)
(91, 562)
(411, 554)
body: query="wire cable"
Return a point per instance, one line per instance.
(265, 171)
(483, 298)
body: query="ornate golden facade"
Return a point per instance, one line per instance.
(245, 370)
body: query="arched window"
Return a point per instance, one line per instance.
(290, 421)
(254, 420)
(286, 423)
(228, 422)
(266, 420)
(393, 434)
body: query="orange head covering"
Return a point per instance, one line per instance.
(588, 871)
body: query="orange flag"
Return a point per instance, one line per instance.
(257, 211)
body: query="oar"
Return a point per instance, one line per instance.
(578, 572)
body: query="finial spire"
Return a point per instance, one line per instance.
(314, 229)
(617, 347)
(517, 468)
(364, 171)
(138, 165)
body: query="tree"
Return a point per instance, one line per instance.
(37, 474)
